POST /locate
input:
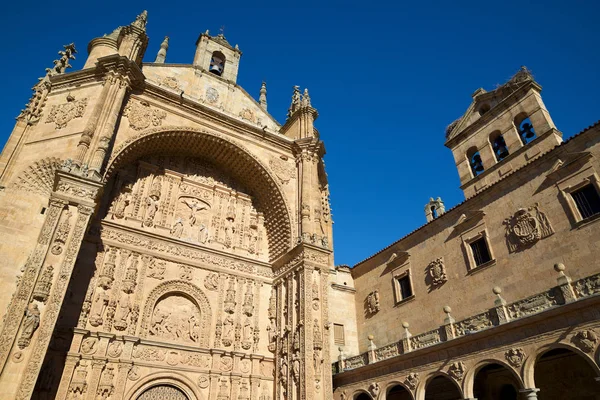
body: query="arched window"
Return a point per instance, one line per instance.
(525, 128)
(217, 63)
(499, 146)
(475, 161)
(484, 108)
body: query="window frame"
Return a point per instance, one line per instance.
(396, 277)
(467, 241)
(343, 330)
(567, 194)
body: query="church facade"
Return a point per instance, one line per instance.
(164, 237)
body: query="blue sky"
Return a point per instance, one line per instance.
(386, 78)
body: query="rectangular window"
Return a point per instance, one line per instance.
(587, 201)
(338, 334)
(481, 253)
(405, 288)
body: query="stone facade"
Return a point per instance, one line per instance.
(169, 238)
(164, 237)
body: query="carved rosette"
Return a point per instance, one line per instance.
(515, 356)
(526, 227)
(141, 115)
(63, 113)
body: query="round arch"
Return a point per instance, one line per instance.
(174, 379)
(179, 287)
(361, 395)
(393, 384)
(531, 361)
(422, 387)
(469, 381)
(229, 156)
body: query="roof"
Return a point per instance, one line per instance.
(594, 125)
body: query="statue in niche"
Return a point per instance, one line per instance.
(152, 203)
(283, 370)
(296, 366)
(317, 361)
(253, 240)
(230, 298)
(228, 331)
(122, 201)
(122, 312)
(202, 233)
(373, 302)
(248, 306)
(272, 333)
(194, 327)
(177, 229)
(99, 306)
(30, 325)
(247, 334)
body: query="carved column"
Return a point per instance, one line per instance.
(94, 379)
(65, 380)
(81, 193)
(529, 394)
(123, 371)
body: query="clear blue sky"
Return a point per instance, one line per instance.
(386, 78)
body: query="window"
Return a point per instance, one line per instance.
(338, 334)
(475, 161)
(403, 287)
(217, 63)
(587, 201)
(483, 109)
(481, 254)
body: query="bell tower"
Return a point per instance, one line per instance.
(500, 132)
(215, 55)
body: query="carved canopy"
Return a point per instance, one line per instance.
(232, 158)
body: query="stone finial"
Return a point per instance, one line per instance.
(61, 65)
(499, 300)
(263, 96)
(305, 98)
(562, 277)
(162, 52)
(406, 333)
(448, 319)
(141, 20)
(299, 101)
(372, 345)
(564, 281)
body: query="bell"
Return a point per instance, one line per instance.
(502, 152)
(476, 164)
(527, 130)
(216, 66)
(500, 148)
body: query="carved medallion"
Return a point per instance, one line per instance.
(585, 340)
(212, 95)
(88, 346)
(203, 381)
(134, 373)
(141, 115)
(282, 169)
(526, 227)
(115, 349)
(457, 370)
(412, 380)
(226, 363)
(63, 113)
(248, 115)
(515, 357)
(437, 272)
(170, 82)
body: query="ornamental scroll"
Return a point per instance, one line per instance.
(526, 227)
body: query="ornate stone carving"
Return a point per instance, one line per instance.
(212, 95)
(134, 373)
(373, 302)
(586, 340)
(525, 227)
(248, 304)
(515, 356)
(156, 269)
(78, 385)
(388, 351)
(39, 176)
(170, 82)
(185, 272)
(212, 281)
(43, 285)
(248, 115)
(226, 363)
(229, 302)
(282, 169)
(122, 201)
(30, 325)
(88, 345)
(63, 113)
(115, 349)
(374, 389)
(473, 324)
(203, 381)
(62, 233)
(412, 380)
(105, 386)
(457, 370)
(141, 115)
(532, 305)
(587, 286)
(176, 318)
(437, 272)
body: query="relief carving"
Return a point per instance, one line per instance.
(203, 381)
(88, 345)
(282, 169)
(105, 386)
(170, 82)
(212, 281)
(156, 269)
(457, 370)
(43, 285)
(78, 385)
(515, 356)
(248, 115)
(373, 302)
(176, 318)
(122, 201)
(586, 340)
(374, 389)
(62, 233)
(412, 380)
(115, 349)
(141, 115)
(185, 272)
(526, 227)
(63, 113)
(212, 95)
(30, 325)
(437, 272)
(39, 176)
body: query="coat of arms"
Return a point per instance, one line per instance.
(437, 272)
(526, 227)
(141, 115)
(63, 113)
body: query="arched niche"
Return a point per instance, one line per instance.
(181, 300)
(230, 157)
(397, 391)
(361, 395)
(440, 387)
(492, 380)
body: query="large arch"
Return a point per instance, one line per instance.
(470, 376)
(425, 385)
(398, 391)
(173, 379)
(224, 153)
(361, 395)
(179, 287)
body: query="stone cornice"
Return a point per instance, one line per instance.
(121, 66)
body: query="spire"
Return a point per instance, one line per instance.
(141, 20)
(263, 96)
(162, 53)
(114, 34)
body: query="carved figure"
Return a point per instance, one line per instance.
(272, 333)
(374, 389)
(212, 281)
(457, 370)
(412, 380)
(122, 201)
(156, 327)
(152, 203)
(228, 333)
(195, 207)
(230, 298)
(202, 233)
(42, 288)
(515, 357)
(194, 327)
(115, 349)
(177, 229)
(98, 307)
(585, 340)
(296, 367)
(88, 346)
(122, 313)
(248, 305)
(30, 325)
(156, 269)
(437, 272)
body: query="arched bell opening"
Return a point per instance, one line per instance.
(499, 146)
(561, 373)
(442, 388)
(230, 159)
(475, 162)
(217, 63)
(495, 382)
(525, 128)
